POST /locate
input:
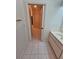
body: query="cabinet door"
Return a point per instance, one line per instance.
(61, 57)
(55, 47)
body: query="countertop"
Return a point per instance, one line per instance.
(58, 35)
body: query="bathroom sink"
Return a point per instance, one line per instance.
(59, 36)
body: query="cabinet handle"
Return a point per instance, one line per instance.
(18, 20)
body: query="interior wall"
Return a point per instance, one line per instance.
(57, 22)
(52, 17)
(21, 29)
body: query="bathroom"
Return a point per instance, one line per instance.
(52, 23)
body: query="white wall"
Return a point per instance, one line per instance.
(21, 29)
(52, 15)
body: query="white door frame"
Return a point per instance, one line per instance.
(29, 22)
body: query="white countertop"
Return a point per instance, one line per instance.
(58, 35)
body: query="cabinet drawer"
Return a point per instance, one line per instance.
(55, 47)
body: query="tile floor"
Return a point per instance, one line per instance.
(38, 50)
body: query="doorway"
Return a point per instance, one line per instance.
(36, 13)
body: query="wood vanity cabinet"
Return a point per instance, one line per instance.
(56, 46)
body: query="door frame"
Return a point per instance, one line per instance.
(29, 22)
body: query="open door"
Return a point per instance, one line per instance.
(36, 14)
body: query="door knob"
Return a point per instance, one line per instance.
(42, 28)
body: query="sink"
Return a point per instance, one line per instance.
(59, 36)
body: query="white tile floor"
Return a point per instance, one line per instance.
(37, 50)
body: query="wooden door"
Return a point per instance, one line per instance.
(36, 13)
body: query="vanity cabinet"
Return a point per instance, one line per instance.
(56, 46)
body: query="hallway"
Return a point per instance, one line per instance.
(38, 50)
